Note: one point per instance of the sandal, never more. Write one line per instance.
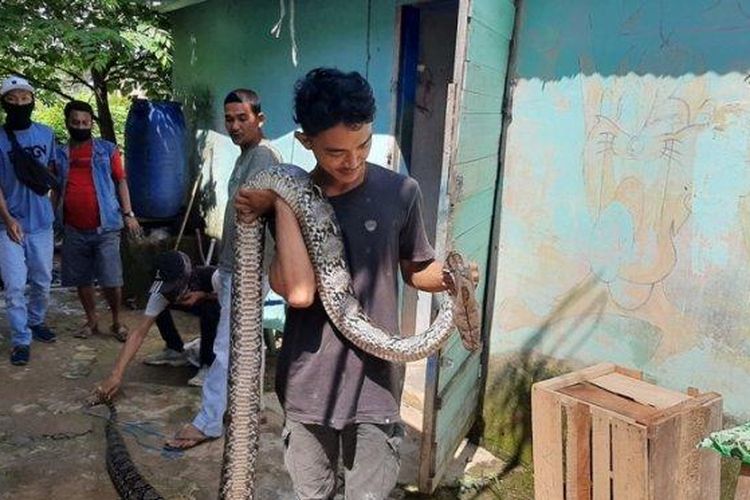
(86, 331)
(120, 332)
(187, 437)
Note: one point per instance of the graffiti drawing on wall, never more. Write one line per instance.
(637, 169)
(638, 174)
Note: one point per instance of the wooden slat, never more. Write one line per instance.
(637, 390)
(629, 461)
(447, 445)
(601, 464)
(625, 407)
(710, 474)
(546, 415)
(475, 240)
(678, 470)
(499, 14)
(664, 460)
(630, 372)
(483, 80)
(687, 405)
(452, 358)
(742, 492)
(478, 136)
(456, 414)
(577, 376)
(475, 176)
(488, 47)
(693, 428)
(482, 103)
(578, 452)
(468, 212)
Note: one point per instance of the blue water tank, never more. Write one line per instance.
(156, 157)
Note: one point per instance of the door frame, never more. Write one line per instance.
(427, 473)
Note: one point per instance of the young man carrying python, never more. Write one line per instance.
(337, 396)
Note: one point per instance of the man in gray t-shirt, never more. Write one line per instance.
(243, 119)
(250, 161)
(338, 400)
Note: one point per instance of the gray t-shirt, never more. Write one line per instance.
(249, 162)
(321, 378)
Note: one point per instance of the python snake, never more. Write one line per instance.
(126, 478)
(322, 237)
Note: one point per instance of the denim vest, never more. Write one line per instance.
(110, 216)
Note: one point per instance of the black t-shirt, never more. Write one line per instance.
(321, 378)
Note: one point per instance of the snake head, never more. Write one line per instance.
(95, 398)
(466, 311)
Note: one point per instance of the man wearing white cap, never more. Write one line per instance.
(27, 152)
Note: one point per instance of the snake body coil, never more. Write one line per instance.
(126, 478)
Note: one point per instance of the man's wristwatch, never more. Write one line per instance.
(129, 214)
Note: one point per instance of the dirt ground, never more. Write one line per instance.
(52, 446)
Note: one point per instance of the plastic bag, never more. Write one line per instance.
(734, 442)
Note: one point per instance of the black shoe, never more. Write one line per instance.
(19, 355)
(42, 334)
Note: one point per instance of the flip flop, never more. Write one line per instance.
(181, 441)
(120, 332)
(86, 331)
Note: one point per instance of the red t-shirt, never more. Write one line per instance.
(80, 208)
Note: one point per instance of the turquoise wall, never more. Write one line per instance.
(225, 44)
(625, 220)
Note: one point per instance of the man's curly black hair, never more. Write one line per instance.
(326, 97)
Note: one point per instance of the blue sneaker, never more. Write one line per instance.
(42, 334)
(19, 355)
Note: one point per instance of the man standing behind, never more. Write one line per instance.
(243, 120)
(26, 216)
(95, 206)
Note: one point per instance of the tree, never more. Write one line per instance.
(100, 45)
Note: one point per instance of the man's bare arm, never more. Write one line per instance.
(291, 274)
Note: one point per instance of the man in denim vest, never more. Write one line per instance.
(95, 206)
(26, 218)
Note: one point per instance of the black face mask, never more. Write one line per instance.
(18, 116)
(79, 134)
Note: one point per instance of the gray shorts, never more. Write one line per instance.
(88, 255)
(369, 454)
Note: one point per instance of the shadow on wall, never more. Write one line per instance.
(199, 115)
(507, 408)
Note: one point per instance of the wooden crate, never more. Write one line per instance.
(603, 433)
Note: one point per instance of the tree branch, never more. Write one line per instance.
(21, 55)
(117, 72)
(74, 76)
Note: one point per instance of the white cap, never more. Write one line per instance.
(15, 83)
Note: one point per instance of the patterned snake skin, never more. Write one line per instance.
(128, 482)
(322, 237)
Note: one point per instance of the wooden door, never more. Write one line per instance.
(469, 183)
